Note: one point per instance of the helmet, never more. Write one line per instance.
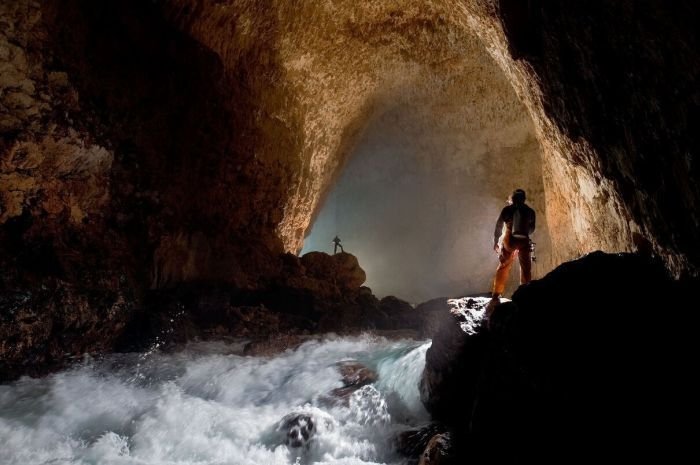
(518, 196)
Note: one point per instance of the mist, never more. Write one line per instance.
(418, 199)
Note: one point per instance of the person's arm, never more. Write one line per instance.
(532, 223)
(499, 229)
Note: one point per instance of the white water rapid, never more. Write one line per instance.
(207, 404)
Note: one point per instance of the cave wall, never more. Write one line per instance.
(235, 100)
(579, 71)
(612, 89)
(128, 148)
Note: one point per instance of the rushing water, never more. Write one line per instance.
(207, 404)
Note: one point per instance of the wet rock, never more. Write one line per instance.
(348, 318)
(57, 323)
(298, 430)
(454, 359)
(208, 311)
(354, 376)
(438, 451)
(413, 442)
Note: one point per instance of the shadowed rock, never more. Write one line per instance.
(412, 443)
(576, 357)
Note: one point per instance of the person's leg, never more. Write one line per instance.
(335, 249)
(505, 257)
(341, 248)
(525, 262)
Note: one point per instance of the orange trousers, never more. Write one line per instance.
(510, 246)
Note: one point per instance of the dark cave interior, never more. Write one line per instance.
(176, 169)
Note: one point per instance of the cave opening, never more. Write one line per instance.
(418, 197)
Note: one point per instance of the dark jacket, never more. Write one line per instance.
(507, 214)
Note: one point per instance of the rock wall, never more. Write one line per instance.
(612, 90)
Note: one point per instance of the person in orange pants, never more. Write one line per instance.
(512, 236)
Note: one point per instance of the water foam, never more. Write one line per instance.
(205, 404)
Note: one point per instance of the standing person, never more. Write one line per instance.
(514, 238)
(336, 241)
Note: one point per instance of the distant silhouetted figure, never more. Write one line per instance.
(519, 221)
(336, 241)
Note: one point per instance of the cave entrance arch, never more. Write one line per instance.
(421, 189)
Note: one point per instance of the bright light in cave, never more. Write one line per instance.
(418, 199)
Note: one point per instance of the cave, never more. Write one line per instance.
(173, 174)
(422, 186)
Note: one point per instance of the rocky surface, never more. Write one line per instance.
(314, 294)
(438, 451)
(354, 376)
(153, 146)
(57, 322)
(54, 323)
(454, 360)
(412, 443)
(567, 366)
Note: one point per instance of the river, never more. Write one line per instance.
(206, 403)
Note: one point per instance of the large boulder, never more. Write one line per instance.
(412, 443)
(591, 360)
(343, 269)
(396, 313)
(354, 375)
(453, 361)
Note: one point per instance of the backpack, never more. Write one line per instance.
(521, 222)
